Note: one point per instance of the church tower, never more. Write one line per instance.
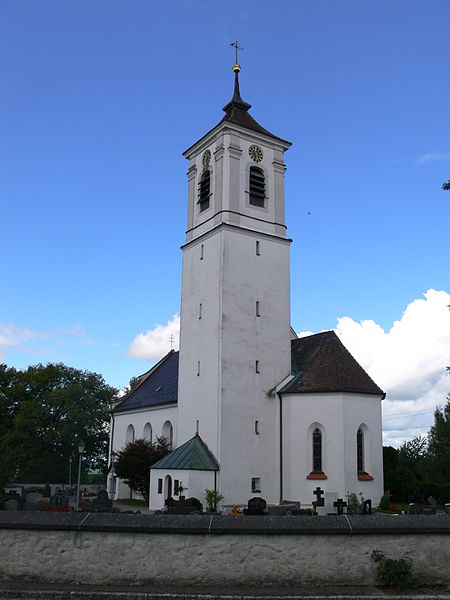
(235, 304)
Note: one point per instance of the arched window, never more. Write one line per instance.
(148, 432)
(167, 432)
(360, 450)
(257, 186)
(204, 191)
(130, 434)
(317, 450)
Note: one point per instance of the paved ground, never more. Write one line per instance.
(26, 591)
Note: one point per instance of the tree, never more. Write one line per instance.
(446, 185)
(45, 411)
(133, 463)
(439, 444)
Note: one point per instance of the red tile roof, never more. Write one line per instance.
(321, 363)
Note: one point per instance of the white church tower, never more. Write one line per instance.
(235, 313)
(248, 408)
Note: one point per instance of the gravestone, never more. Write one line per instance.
(416, 496)
(330, 499)
(447, 508)
(318, 493)
(59, 502)
(102, 503)
(286, 507)
(432, 501)
(256, 506)
(13, 501)
(182, 506)
(366, 507)
(415, 508)
(340, 505)
(32, 497)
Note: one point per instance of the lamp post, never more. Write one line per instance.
(70, 474)
(81, 447)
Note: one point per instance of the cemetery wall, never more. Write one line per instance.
(204, 551)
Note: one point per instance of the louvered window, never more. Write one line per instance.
(203, 191)
(257, 186)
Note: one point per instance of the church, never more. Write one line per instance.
(249, 409)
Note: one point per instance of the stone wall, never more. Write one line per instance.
(113, 549)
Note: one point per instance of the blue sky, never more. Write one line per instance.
(99, 99)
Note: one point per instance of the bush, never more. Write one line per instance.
(385, 503)
(43, 504)
(212, 498)
(195, 503)
(429, 489)
(444, 493)
(393, 572)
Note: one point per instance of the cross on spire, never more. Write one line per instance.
(236, 66)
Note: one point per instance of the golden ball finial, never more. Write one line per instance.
(236, 68)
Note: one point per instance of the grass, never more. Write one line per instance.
(132, 502)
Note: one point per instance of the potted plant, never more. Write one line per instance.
(212, 498)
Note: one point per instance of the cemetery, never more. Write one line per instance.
(329, 542)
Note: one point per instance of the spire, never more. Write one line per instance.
(236, 101)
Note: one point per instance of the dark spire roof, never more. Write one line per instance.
(236, 111)
(236, 101)
(321, 363)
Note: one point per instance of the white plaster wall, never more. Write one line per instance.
(206, 560)
(300, 412)
(156, 416)
(198, 395)
(194, 484)
(228, 396)
(246, 395)
(339, 416)
(364, 410)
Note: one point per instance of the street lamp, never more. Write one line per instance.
(70, 474)
(81, 447)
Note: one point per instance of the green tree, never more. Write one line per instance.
(446, 185)
(132, 464)
(405, 467)
(48, 409)
(439, 444)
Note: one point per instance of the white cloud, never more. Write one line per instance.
(32, 341)
(408, 362)
(155, 343)
(433, 157)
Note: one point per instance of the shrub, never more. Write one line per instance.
(195, 502)
(444, 493)
(393, 572)
(43, 504)
(385, 502)
(429, 489)
(212, 498)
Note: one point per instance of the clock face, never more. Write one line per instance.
(206, 158)
(256, 154)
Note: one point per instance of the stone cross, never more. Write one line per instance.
(340, 504)
(318, 493)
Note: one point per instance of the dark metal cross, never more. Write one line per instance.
(340, 504)
(318, 494)
(172, 341)
(235, 45)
